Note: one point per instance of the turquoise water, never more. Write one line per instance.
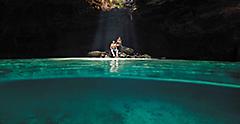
(135, 91)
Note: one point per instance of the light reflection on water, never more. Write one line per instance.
(206, 72)
(114, 66)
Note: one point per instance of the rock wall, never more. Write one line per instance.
(178, 29)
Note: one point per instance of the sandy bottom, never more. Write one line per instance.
(116, 101)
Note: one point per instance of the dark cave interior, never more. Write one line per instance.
(174, 29)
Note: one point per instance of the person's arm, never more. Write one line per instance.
(110, 46)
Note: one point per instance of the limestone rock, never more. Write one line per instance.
(96, 53)
(127, 50)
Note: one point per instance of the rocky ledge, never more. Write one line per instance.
(125, 52)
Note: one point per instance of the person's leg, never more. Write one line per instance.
(112, 52)
(116, 52)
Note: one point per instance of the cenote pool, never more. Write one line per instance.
(118, 91)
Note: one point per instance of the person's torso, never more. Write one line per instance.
(113, 46)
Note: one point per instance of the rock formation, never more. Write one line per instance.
(125, 52)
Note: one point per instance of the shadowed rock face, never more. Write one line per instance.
(179, 29)
(204, 29)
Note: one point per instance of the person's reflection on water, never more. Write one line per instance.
(114, 66)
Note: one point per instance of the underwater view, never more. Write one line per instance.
(118, 91)
(120, 62)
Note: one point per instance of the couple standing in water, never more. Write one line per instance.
(115, 47)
